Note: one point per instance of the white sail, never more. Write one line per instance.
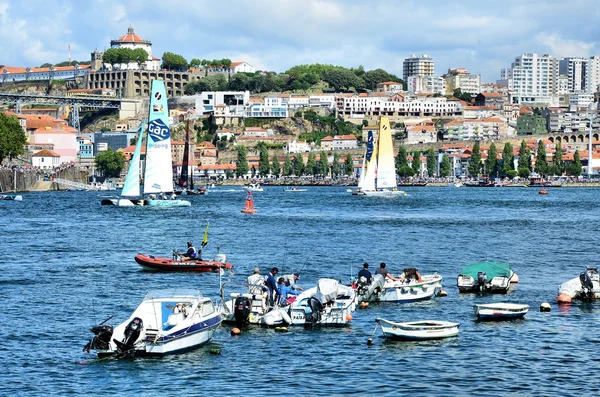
(386, 168)
(158, 176)
(131, 188)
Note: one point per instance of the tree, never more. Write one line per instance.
(336, 167)
(374, 77)
(507, 158)
(323, 164)
(12, 137)
(216, 82)
(557, 160)
(401, 160)
(431, 163)
(416, 163)
(475, 163)
(311, 164)
(298, 165)
(576, 169)
(263, 160)
(239, 82)
(241, 168)
(195, 63)
(524, 157)
(110, 163)
(406, 171)
(288, 168)
(491, 164)
(445, 166)
(172, 61)
(340, 79)
(275, 166)
(541, 163)
(348, 165)
(139, 56)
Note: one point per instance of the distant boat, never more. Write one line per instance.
(249, 207)
(379, 179)
(253, 187)
(294, 189)
(14, 197)
(401, 291)
(500, 311)
(586, 287)
(418, 330)
(486, 276)
(158, 167)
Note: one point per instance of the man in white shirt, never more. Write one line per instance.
(256, 283)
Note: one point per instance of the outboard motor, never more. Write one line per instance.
(131, 335)
(362, 286)
(481, 279)
(241, 310)
(316, 307)
(101, 339)
(587, 287)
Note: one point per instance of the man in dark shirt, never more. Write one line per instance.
(385, 272)
(364, 272)
(271, 283)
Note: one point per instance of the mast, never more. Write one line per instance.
(184, 177)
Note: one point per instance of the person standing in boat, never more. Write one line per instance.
(271, 283)
(385, 273)
(284, 291)
(364, 272)
(256, 283)
(191, 252)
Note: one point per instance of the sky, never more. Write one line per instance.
(482, 36)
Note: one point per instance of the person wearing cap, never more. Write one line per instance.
(364, 272)
(256, 283)
(385, 273)
(191, 252)
(271, 283)
(290, 281)
(284, 291)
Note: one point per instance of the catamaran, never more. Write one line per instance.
(158, 167)
(379, 176)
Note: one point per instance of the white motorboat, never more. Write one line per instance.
(586, 287)
(244, 309)
(486, 276)
(500, 311)
(328, 304)
(166, 322)
(295, 189)
(15, 197)
(253, 187)
(402, 291)
(418, 330)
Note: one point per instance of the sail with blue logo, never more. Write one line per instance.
(158, 176)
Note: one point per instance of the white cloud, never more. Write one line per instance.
(565, 48)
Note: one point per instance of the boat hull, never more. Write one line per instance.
(378, 193)
(13, 197)
(398, 292)
(167, 203)
(418, 330)
(500, 311)
(574, 290)
(335, 313)
(150, 262)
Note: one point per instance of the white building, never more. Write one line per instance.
(359, 106)
(321, 101)
(339, 142)
(270, 107)
(14, 74)
(299, 146)
(460, 78)
(133, 41)
(390, 86)
(418, 66)
(235, 102)
(575, 70)
(45, 158)
(529, 79)
(426, 85)
(593, 74)
(295, 101)
(256, 132)
(581, 99)
(242, 67)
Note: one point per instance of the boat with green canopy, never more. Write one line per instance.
(486, 276)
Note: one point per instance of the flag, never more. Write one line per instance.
(205, 238)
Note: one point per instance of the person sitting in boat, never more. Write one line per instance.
(385, 272)
(256, 283)
(180, 308)
(410, 274)
(173, 196)
(191, 252)
(290, 281)
(364, 272)
(284, 291)
(271, 283)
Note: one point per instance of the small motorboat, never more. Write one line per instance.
(177, 263)
(404, 291)
(14, 197)
(329, 304)
(486, 276)
(500, 311)
(166, 322)
(418, 330)
(248, 308)
(586, 287)
(253, 187)
(295, 189)
(543, 191)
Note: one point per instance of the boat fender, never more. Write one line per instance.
(235, 332)
(286, 318)
(442, 292)
(348, 317)
(281, 329)
(545, 307)
(563, 298)
(363, 305)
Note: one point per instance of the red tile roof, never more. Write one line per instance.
(46, 153)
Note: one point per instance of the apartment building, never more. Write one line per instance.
(491, 128)
(529, 79)
(418, 66)
(576, 71)
(397, 106)
(460, 78)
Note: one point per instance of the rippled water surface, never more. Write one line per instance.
(67, 263)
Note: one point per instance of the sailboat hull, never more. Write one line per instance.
(168, 203)
(380, 193)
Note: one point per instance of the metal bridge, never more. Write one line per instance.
(76, 103)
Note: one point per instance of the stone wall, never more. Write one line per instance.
(23, 180)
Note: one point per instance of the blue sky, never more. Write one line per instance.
(482, 36)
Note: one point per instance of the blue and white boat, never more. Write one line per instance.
(166, 322)
(157, 190)
(500, 311)
(400, 291)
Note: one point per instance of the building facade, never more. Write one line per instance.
(418, 66)
(460, 78)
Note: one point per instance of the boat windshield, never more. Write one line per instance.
(173, 293)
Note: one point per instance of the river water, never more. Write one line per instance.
(67, 263)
